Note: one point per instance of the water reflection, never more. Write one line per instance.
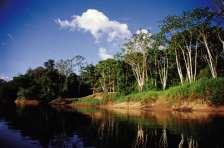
(89, 127)
(163, 129)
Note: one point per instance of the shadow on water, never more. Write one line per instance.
(89, 127)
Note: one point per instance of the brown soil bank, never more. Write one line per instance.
(165, 106)
(205, 94)
(159, 105)
(27, 102)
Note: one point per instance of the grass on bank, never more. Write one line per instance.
(208, 89)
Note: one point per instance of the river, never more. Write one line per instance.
(90, 127)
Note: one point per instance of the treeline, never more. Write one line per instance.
(188, 47)
(44, 83)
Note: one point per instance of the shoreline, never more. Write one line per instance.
(158, 106)
(27, 102)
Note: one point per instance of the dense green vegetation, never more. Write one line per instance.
(210, 90)
(184, 60)
(45, 84)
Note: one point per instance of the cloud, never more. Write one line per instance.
(103, 54)
(5, 78)
(98, 24)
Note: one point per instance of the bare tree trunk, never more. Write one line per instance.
(103, 83)
(163, 139)
(140, 74)
(179, 69)
(181, 144)
(195, 61)
(222, 41)
(163, 71)
(187, 53)
(209, 58)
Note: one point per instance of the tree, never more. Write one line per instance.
(125, 78)
(2, 82)
(50, 64)
(79, 62)
(8, 92)
(90, 75)
(136, 55)
(68, 66)
(161, 56)
(71, 86)
(108, 74)
(185, 41)
(65, 67)
(191, 34)
(43, 83)
(51, 82)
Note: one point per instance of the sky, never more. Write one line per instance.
(33, 31)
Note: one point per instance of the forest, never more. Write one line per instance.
(185, 57)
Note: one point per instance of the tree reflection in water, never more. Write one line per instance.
(141, 138)
(155, 130)
(163, 139)
(87, 127)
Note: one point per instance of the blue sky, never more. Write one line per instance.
(33, 31)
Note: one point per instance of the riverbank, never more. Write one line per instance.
(27, 102)
(158, 105)
(185, 106)
(202, 95)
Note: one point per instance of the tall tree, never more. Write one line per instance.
(50, 64)
(108, 72)
(69, 66)
(78, 62)
(91, 76)
(184, 40)
(65, 67)
(161, 56)
(136, 55)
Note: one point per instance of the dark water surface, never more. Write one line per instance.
(87, 127)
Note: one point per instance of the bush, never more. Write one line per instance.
(28, 93)
(204, 88)
(149, 85)
(89, 101)
(204, 73)
(210, 89)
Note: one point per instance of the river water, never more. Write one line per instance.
(90, 127)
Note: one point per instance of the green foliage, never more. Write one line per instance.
(215, 90)
(43, 84)
(29, 93)
(145, 96)
(8, 92)
(135, 53)
(90, 76)
(150, 85)
(125, 79)
(89, 101)
(208, 89)
(143, 65)
(205, 88)
(108, 74)
(204, 73)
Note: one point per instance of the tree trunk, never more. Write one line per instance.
(210, 60)
(179, 69)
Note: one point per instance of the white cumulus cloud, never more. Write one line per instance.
(103, 54)
(98, 24)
